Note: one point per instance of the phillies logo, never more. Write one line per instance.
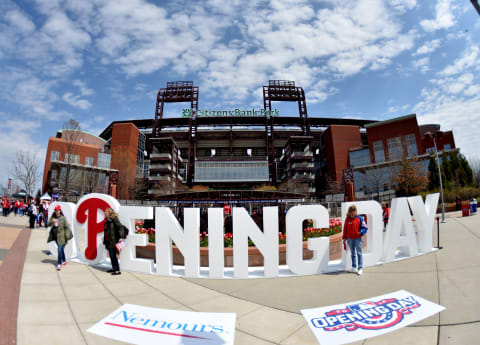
(88, 212)
(368, 315)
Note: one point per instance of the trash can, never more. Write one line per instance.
(473, 206)
(466, 209)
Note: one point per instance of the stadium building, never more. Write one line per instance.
(216, 156)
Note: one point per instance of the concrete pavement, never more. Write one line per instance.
(56, 307)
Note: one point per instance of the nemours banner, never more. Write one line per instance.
(141, 325)
(403, 237)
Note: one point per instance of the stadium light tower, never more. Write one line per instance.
(476, 5)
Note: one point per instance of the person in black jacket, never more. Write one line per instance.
(112, 234)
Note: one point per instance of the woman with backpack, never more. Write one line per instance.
(353, 236)
(60, 233)
(113, 233)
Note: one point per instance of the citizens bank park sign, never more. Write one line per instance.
(402, 238)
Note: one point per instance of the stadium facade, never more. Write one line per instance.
(233, 156)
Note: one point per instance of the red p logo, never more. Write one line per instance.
(88, 209)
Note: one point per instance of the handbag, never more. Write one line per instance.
(120, 245)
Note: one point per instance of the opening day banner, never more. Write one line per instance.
(354, 321)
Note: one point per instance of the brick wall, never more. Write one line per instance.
(124, 147)
(338, 140)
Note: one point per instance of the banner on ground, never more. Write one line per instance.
(147, 326)
(354, 321)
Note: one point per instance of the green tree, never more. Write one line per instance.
(434, 179)
(456, 171)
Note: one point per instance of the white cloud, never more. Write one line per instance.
(403, 5)
(20, 21)
(472, 90)
(444, 18)
(84, 90)
(457, 115)
(35, 96)
(76, 101)
(453, 100)
(467, 60)
(17, 135)
(428, 47)
(423, 64)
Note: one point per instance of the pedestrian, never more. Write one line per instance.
(5, 206)
(45, 212)
(353, 237)
(17, 206)
(32, 213)
(60, 233)
(113, 233)
(386, 215)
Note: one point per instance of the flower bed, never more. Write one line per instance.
(335, 227)
(255, 258)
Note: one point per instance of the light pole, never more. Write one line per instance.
(476, 5)
(440, 176)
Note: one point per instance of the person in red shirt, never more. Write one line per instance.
(227, 210)
(386, 215)
(16, 206)
(353, 237)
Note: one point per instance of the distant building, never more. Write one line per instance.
(89, 161)
(374, 164)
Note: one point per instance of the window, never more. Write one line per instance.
(54, 156)
(378, 151)
(89, 161)
(72, 159)
(430, 150)
(447, 147)
(411, 143)
(360, 157)
(104, 160)
(146, 166)
(231, 171)
(394, 148)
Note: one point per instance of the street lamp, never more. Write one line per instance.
(439, 173)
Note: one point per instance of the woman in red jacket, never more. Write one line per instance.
(351, 234)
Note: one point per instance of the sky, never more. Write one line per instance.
(99, 61)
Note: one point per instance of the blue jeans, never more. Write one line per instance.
(112, 252)
(355, 245)
(61, 254)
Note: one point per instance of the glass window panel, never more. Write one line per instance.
(104, 160)
(54, 156)
(231, 171)
(378, 151)
(360, 157)
(411, 143)
(394, 148)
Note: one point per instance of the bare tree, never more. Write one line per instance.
(26, 168)
(71, 136)
(410, 179)
(90, 181)
(139, 191)
(378, 177)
